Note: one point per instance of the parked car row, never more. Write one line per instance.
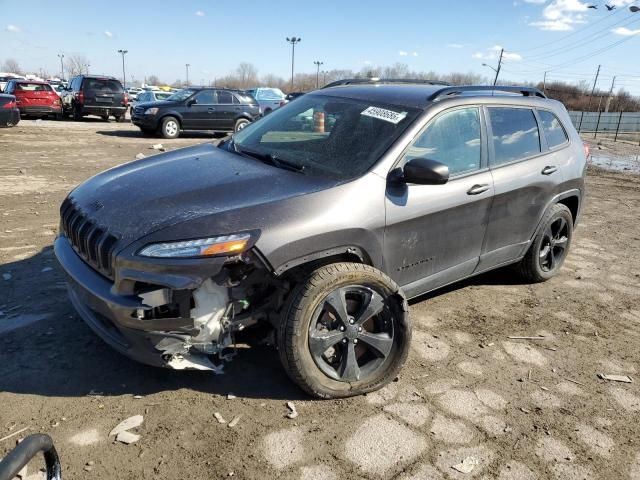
(166, 112)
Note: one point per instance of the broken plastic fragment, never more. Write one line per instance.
(193, 362)
(128, 424)
(467, 465)
(127, 437)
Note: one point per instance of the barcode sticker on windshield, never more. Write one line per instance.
(384, 114)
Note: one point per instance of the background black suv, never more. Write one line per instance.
(217, 109)
(95, 95)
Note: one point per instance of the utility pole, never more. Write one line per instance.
(324, 77)
(61, 56)
(293, 41)
(595, 83)
(317, 63)
(495, 80)
(187, 65)
(124, 76)
(544, 83)
(609, 97)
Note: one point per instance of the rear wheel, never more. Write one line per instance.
(241, 123)
(170, 128)
(105, 117)
(119, 118)
(77, 114)
(345, 331)
(550, 245)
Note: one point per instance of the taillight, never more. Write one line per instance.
(126, 99)
(587, 151)
(80, 96)
(11, 104)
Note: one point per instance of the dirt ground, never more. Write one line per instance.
(523, 409)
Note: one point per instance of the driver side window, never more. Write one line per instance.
(453, 139)
(205, 97)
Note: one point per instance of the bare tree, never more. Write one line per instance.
(11, 66)
(153, 80)
(247, 74)
(76, 64)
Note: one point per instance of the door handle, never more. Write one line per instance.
(211, 110)
(478, 189)
(548, 170)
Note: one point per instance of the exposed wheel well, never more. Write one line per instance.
(572, 203)
(305, 268)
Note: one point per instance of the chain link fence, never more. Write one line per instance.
(616, 126)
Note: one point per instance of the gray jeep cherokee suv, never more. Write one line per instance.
(314, 226)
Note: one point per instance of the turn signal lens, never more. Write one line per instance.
(203, 247)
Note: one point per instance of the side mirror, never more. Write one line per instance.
(423, 171)
(193, 101)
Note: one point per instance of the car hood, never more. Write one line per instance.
(142, 197)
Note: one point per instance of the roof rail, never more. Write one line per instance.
(452, 91)
(375, 80)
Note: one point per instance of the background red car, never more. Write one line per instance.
(35, 98)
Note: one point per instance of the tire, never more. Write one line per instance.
(325, 372)
(240, 124)
(105, 117)
(170, 127)
(119, 118)
(267, 112)
(549, 247)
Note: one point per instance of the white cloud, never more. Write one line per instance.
(493, 53)
(108, 34)
(625, 31)
(455, 45)
(562, 15)
(368, 62)
(13, 29)
(402, 53)
(200, 13)
(414, 54)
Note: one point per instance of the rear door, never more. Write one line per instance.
(434, 233)
(227, 111)
(526, 177)
(103, 92)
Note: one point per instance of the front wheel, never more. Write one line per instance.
(550, 245)
(170, 127)
(345, 331)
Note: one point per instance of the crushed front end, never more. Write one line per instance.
(180, 313)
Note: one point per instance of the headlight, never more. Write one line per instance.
(202, 247)
(151, 111)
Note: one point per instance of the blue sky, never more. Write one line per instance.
(562, 36)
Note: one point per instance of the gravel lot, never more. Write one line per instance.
(513, 409)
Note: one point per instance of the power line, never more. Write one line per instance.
(580, 30)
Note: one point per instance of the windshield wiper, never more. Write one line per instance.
(270, 159)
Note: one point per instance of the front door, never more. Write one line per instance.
(434, 233)
(198, 115)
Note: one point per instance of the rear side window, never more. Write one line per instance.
(553, 130)
(103, 85)
(224, 97)
(515, 134)
(453, 138)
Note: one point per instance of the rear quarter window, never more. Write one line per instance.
(515, 134)
(553, 129)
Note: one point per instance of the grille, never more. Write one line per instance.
(94, 244)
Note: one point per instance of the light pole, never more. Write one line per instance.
(61, 56)
(86, 66)
(317, 63)
(187, 65)
(293, 41)
(497, 70)
(124, 76)
(324, 77)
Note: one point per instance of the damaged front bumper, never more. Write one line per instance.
(163, 325)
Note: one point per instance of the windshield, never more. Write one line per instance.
(270, 94)
(336, 137)
(181, 95)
